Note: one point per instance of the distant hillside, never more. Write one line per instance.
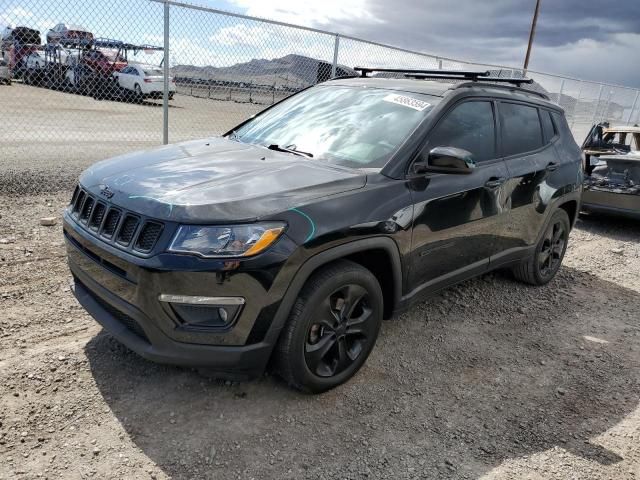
(290, 71)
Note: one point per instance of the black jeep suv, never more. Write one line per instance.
(289, 239)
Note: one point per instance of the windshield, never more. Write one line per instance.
(349, 126)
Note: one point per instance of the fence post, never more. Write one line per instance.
(560, 92)
(605, 114)
(595, 111)
(334, 65)
(165, 90)
(633, 107)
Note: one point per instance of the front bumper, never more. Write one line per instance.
(125, 322)
(121, 292)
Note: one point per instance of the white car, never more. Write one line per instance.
(5, 73)
(144, 81)
(35, 67)
(35, 60)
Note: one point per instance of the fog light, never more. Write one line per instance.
(196, 312)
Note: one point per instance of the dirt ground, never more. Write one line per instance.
(489, 379)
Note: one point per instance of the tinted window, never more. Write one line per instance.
(469, 126)
(559, 122)
(520, 127)
(547, 125)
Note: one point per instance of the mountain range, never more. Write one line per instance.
(291, 70)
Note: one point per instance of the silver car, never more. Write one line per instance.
(64, 32)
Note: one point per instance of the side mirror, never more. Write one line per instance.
(447, 160)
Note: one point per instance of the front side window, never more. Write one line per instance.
(520, 127)
(349, 126)
(469, 126)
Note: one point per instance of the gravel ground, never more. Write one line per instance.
(489, 379)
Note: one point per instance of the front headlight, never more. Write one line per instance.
(229, 241)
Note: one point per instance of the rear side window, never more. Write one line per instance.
(520, 127)
(469, 126)
(547, 125)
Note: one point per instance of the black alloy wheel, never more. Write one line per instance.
(552, 250)
(544, 263)
(332, 328)
(341, 328)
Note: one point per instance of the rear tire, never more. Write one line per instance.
(542, 266)
(331, 329)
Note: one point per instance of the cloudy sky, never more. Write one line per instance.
(596, 40)
(589, 39)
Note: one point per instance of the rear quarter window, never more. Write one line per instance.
(547, 125)
(520, 128)
(560, 122)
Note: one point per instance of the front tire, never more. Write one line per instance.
(138, 93)
(331, 329)
(542, 266)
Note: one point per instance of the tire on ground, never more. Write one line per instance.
(289, 357)
(529, 270)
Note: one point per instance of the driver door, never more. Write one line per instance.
(457, 216)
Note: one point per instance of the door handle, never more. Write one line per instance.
(494, 182)
(552, 166)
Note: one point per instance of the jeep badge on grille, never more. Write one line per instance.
(106, 191)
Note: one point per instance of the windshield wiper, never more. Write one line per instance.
(289, 149)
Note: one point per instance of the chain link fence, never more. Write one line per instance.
(91, 80)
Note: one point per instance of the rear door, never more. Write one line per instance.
(527, 137)
(456, 214)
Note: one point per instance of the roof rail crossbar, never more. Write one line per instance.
(364, 71)
(513, 81)
(445, 74)
(505, 87)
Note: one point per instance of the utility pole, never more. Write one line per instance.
(532, 34)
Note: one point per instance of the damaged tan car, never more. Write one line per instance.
(612, 170)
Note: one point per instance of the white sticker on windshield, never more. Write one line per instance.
(406, 101)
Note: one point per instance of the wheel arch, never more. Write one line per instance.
(359, 251)
(571, 207)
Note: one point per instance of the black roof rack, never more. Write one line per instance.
(445, 74)
(505, 87)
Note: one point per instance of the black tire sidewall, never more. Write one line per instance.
(558, 215)
(298, 365)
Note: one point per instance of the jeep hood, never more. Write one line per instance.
(215, 180)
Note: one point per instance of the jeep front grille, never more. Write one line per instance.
(87, 208)
(110, 224)
(127, 230)
(98, 215)
(148, 235)
(113, 225)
